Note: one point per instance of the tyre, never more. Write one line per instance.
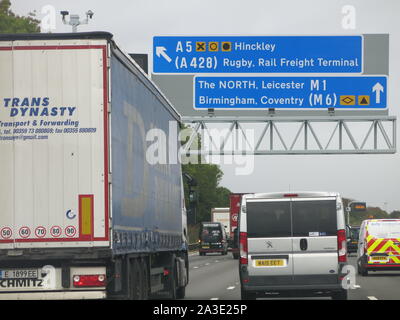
(171, 286)
(136, 281)
(181, 292)
(362, 271)
(202, 254)
(246, 295)
(145, 280)
(235, 256)
(340, 295)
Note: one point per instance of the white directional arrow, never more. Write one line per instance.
(160, 51)
(377, 88)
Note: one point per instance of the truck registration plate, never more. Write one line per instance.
(19, 274)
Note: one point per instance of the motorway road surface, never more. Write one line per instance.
(216, 277)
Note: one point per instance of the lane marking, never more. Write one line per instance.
(207, 264)
(372, 298)
(214, 299)
(356, 286)
(195, 267)
(231, 288)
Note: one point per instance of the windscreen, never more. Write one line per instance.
(314, 218)
(384, 229)
(268, 219)
(211, 233)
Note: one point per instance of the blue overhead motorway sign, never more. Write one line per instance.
(356, 93)
(258, 54)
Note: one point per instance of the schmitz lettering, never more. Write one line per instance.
(21, 283)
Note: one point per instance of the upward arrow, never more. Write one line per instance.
(160, 51)
(377, 88)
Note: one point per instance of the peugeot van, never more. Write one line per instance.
(292, 244)
(379, 246)
(212, 238)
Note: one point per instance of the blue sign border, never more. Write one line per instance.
(293, 49)
(253, 88)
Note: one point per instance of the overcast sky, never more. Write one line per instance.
(371, 178)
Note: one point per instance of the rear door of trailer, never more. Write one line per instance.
(54, 155)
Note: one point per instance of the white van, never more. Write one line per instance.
(293, 244)
(379, 246)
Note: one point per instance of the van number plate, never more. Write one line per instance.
(379, 258)
(270, 263)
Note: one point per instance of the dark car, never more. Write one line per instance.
(352, 238)
(212, 238)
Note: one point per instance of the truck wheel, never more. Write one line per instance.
(341, 295)
(181, 292)
(145, 280)
(136, 283)
(235, 256)
(171, 280)
(246, 295)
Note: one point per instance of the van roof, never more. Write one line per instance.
(379, 220)
(301, 194)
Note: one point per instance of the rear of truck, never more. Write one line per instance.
(234, 209)
(54, 167)
(87, 209)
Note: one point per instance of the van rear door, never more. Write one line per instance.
(315, 256)
(269, 240)
(383, 242)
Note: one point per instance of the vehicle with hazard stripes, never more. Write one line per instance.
(379, 246)
(85, 210)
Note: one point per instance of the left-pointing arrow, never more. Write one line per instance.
(160, 51)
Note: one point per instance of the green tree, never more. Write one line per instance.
(395, 214)
(12, 23)
(210, 194)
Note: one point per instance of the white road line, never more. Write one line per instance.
(214, 299)
(357, 286)
(207, 264)
(231, 288)
(372, 298)
(195, 267)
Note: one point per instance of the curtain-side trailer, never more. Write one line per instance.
(85, 210)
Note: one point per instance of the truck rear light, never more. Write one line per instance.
(90, 280)
(243, 248)
(342, 246)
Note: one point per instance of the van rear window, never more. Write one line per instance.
(268, 219)
(384, 229)
(314, 218)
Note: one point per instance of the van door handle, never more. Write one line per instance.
(303, 244)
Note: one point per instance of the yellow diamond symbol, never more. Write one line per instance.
(347, 100)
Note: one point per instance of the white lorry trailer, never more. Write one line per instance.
(83, 212)
(222, 215)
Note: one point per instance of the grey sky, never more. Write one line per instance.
(373, 178)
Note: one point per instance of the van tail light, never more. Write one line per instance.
(96, 280)
(243, 248)
(342, 246)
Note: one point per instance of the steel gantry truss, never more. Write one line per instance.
(300, 135)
